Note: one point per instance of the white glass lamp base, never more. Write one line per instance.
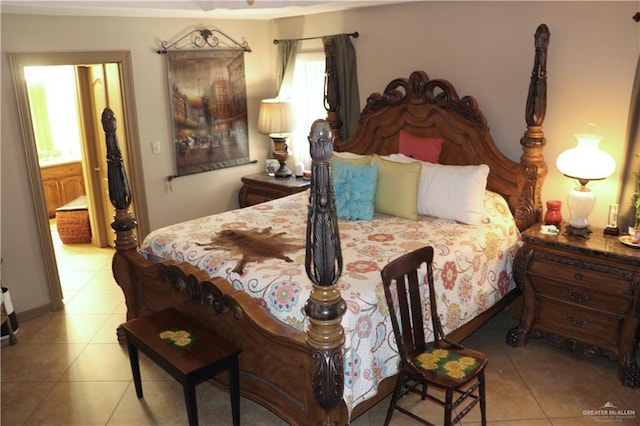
(581, 201)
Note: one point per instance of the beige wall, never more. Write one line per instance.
(486, 50)
(190, 196)
(483, 48)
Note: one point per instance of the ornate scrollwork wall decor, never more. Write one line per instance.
(204, 38)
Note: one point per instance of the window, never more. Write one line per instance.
(307, 98)
(52, 96)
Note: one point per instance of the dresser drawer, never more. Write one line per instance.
(260, 187)
(257, 196)
(564, 270)
(587, 296)
(583, 324)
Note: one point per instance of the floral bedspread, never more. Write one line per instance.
(472, 271)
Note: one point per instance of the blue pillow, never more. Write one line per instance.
(355, 189)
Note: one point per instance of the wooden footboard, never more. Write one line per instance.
(299, 376)
(276, 364)
(275, 361)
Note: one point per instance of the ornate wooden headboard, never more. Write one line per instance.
(432, 108)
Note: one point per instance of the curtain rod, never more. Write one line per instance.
(353, 34)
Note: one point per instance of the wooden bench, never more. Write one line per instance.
(187, 351)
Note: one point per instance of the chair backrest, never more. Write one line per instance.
(403, 271)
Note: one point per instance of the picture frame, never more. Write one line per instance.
(271, 165)
(208, 103)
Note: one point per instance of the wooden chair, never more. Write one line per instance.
(441, 363)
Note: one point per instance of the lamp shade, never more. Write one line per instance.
(586, 161)
(275, 117)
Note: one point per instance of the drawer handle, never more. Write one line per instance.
(578, 323)
(577, 276)
(578, 298)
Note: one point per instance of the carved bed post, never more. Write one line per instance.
(323, 263)
(124, 223)
(533, 141)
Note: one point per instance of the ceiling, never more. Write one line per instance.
(232, 9)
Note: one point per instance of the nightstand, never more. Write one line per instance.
(581, 293)
(261, 187)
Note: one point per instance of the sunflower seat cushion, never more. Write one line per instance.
(448, 363)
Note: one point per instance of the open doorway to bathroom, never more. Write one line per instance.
(66, 102)
(60, 101)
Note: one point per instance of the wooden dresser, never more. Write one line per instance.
(581, 293)
(62, 183)
(261, 187)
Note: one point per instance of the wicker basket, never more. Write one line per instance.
(72, 221)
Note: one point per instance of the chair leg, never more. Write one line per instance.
(483, 399)
(448, 406)
(394, 399)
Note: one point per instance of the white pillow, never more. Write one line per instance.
(450, 192)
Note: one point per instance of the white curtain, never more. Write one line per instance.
(307, 97)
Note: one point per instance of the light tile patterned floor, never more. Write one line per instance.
(68, 369)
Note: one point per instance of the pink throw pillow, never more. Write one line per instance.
(423, 149)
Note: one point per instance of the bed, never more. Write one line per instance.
(311, 318)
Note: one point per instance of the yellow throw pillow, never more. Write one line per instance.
(397, 191)
(353, 158)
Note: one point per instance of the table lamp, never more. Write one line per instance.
(585, 162)
(275, 120)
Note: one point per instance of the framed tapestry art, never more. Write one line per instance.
(208, 103)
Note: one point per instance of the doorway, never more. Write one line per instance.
(102, 79)
(65, 103)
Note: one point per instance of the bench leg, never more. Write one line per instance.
(190, 399)
(135, 367)
(234, 390)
